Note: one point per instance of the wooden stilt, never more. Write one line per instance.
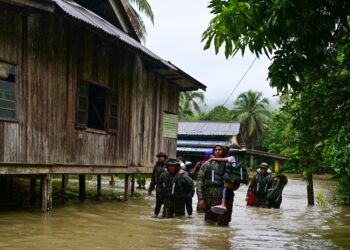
(112, 181)
(49, 191)
(10, 187)
(82, 187)
(132, 184)
(64, 183)
(127, 187)
(32, 186)
(98, 185)
(32, 189)
(310, 189)
(46, 193)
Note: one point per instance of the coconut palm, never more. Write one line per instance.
(251, 110)
(135, 17)
(190, 102)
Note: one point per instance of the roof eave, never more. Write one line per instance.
(41, 5)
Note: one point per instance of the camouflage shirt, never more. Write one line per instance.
(158, 169)
(166, 180)
(201, 178)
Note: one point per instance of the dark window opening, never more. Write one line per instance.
(97, 107)
(7, 91)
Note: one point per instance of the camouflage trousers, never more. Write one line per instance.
(174, 208)
(212, 197)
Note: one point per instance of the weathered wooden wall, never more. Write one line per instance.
(54, 53)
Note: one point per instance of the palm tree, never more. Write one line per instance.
(135, 17)
(190, 102)
(251, 110)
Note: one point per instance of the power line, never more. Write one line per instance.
(251, 65)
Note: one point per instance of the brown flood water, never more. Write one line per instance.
(128, 225)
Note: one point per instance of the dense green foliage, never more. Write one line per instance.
(251, 110)
(218, 113)
(190, 103)
(309, 42)
(282, 138)
(303, 35)
(336, 155)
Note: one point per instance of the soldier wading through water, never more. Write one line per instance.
(158, 169)
(259, 186)
(210, 183)
(176, 185)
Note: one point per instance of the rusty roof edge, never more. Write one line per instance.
(41, 5)
(78, 12)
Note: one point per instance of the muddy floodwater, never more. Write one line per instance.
(129, 225)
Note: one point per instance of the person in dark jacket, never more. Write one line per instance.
(184, 166)
(176, 186)
(259, 186)
(158, 169)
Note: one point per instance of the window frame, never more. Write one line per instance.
(16, 65)
(108, 103)
(109, 116)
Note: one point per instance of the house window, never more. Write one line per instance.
(7, 91)
(96, 107)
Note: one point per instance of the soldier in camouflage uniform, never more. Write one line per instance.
(176, 186)
(158, 169)
(259, 186)
(210, 183)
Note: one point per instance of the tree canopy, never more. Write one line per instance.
(302, 35)
(218, 113)
(309, 43)
(190, 103)
(251, 110)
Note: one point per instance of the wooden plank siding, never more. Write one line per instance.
(53, 53)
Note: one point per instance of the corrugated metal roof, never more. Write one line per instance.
(197, 143)
(77, 11)
(209, 128)
(199, 150)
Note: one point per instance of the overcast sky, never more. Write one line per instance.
(176, 37)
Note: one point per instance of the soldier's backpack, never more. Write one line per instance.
(237, 172)
(274, 194)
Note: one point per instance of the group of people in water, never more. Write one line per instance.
(217, 178)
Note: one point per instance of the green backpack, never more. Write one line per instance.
(237, 173)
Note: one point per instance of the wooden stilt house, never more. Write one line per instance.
(79, 93)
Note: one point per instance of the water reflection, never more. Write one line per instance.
(119, 225)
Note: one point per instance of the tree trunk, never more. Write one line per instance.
(251, 165)
(310, 189)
